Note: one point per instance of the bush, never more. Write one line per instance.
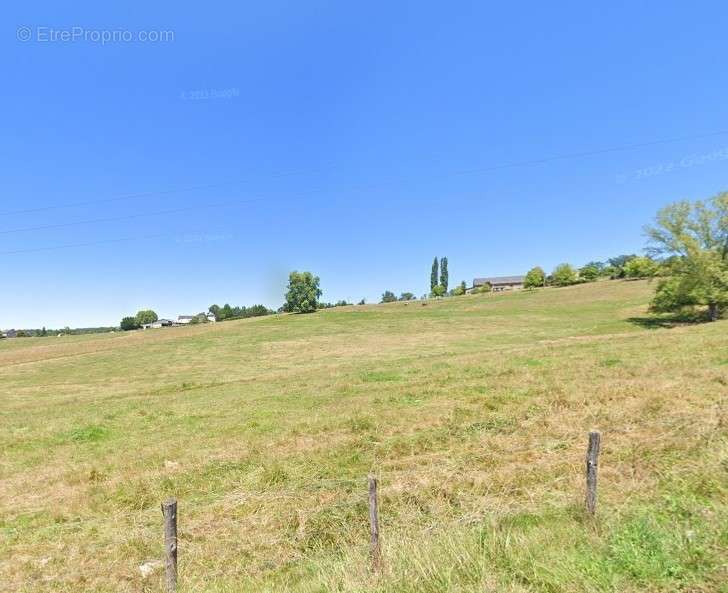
(563, 275)
(589, 273)
(460, 289)
(438, 291)
(535, 278)
(641, 267)
(388, 297)
(129, 323)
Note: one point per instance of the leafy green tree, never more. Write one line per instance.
(483, 288)
(438, 291)
(617, 264)
(694, 238)
(388, 297)
(129, 323)
(444, 275)
(641, 267)
(535, 278)
(563, 275)
(214, 310)
(303, 292)
(146, 316)
(362, 302)
(589, 273)
(434, 275)
(43, 332)
(460, 289)
(599, 265)
(407, 296)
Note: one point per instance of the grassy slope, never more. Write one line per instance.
(473, 411)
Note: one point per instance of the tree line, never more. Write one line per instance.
(227, 312)
(687, 252)
(623, 266)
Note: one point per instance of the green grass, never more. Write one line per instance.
(473, 412)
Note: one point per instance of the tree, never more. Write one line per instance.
(444, 276)
(388, 297)
(589, 273)
(407, 296)
(438, 291)
(617, 264)
(535, 278)
(460, 289)
(129, 323)
(563, 275)
(214, 310)
(362, 302)
(44, 332)
(694, 238)
(146, 316)
(599, 265)
(640, 267)
(433, 275)
(484, 288)
(303, 292)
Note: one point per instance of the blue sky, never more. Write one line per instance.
(357, 141)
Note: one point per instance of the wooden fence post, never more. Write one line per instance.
(374, 525)
(592, 466)
(169, 511)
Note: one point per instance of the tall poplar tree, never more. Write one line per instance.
(433, 275)
(444, 276)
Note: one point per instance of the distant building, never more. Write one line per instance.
(500, 283)
(187, 319)
(11, 333)
(157, 324)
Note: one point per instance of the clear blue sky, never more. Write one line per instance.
(370, 135)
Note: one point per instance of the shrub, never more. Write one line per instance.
(535, 278)
(129, 323)
(563, 275)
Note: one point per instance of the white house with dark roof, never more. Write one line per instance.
(500, 283)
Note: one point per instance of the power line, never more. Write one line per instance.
(87, 243)
(149, 194)
(305, 171)
(58, 225)
(593, 152)
(258, 199)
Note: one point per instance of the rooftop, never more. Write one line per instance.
(495, 280)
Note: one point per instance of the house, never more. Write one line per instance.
(11, 333)
(157, 324)
(500, 283)
(187, 319)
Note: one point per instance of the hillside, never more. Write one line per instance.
(473, 411)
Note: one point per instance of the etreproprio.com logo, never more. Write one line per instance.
(42, 34)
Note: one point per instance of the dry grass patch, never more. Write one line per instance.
(473, 411)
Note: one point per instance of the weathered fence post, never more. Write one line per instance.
(374, 525)
(169, 510)
(592, 466)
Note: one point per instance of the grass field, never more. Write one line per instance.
(473, 411)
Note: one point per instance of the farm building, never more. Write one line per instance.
(157, 324)
(500, 283)
(187, 319)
